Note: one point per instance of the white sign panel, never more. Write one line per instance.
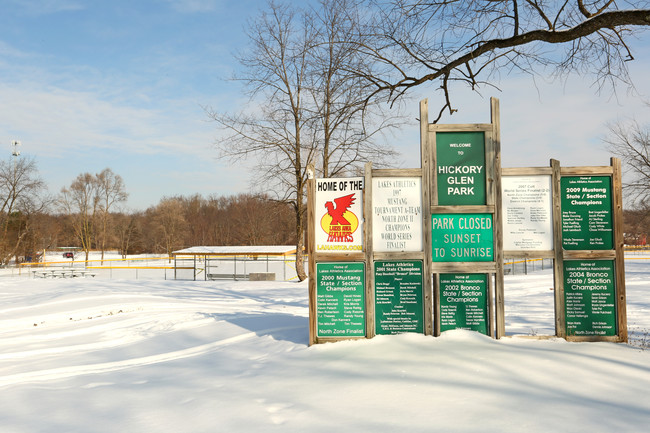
(527, 213)
(397, 214)
(339, 215)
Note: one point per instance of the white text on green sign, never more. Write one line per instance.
(462, 237)
(460, 168)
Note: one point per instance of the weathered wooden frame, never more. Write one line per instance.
(559, 254)
(494, 269)
(493, 206)
(320, 257)
(372, 256)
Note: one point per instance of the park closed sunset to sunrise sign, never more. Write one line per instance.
(462, 237)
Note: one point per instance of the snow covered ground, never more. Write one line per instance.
(96, 355)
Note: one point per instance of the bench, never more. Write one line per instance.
(63, 273)
(84, 274)
(51, 273)
(226, 276)
(262, 276)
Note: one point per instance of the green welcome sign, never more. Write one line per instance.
(467, 237)
(460, 168)
(340, 299)
(398, 297)
(463, 302)
(586, 213)
(590, 298)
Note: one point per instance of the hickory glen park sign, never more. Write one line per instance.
(422, 250)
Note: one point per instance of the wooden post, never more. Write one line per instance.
(491, 294)
(499, 293)
(439, 203)
(558, 256)
(614, 254)
(368, 249)
(311, 251)
(431, 302)
(619, 266)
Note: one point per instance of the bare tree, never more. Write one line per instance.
(194, 208)
(22, 195)
(81, 202)
(474, 41)
(636, 225)
(630, 141)
(310, 106)
(280, 132)
(349, 125)
(170, 224)
(126, 228)
(111, 191)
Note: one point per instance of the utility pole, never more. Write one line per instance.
(15, 152)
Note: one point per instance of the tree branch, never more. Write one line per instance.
(606, 20)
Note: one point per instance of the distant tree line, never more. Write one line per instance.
(87, 215)
(636, 226)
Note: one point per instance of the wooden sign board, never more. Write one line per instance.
(399, 303)
(587, 213)
(339, 215)
(590, 298)
(460, 169)
(462, 237)
(464, 302)
(376, 243)
(585, 208)
(527, 203)
(340, 299)
(397, 214)
(591, 293)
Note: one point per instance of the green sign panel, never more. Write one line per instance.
(590, 298)
(464, 302)
(587, 213)
(340, 299)
(462, 237)
(398, 297)
(460, 168)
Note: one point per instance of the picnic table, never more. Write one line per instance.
(62, 273)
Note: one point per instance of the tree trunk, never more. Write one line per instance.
(300, 243)
(300, 260)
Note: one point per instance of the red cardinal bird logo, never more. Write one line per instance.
(341, 222)
(342, 205)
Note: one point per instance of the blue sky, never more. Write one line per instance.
(86, 85)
